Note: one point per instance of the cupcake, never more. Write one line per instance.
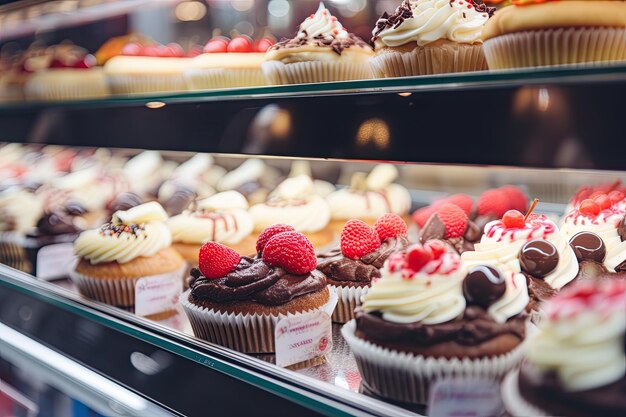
(295, 203)
(576, 365)
(228, 63)
(369, 197)
(532, 246)
(236, 301)
(222, 218)
(351, 268)
(597, 231)
(430, 37)
(321, 51)
(71, 75)
(147, 69)
(533, 33)
(126, 257)
(429, 318)
(451, 225)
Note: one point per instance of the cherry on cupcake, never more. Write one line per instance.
(263, 44)
(216, 260)
(132, 49)
(241, 43)
(513, 219)
(417, 256)
(616, 196)
(589, 207)
(291, 251)
(269, 233)
(603, 201)
(218, 44)
(358, 239)
(390, 225)
(483, 285)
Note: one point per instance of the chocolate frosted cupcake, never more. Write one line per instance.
(351, 268)
(129, 263)
(321, 51)
(576, 365)
(236, 301)
(451, 225)
(429, 318)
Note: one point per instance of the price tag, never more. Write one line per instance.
(303, 337)
(55, 261)
(465, 397)
(157, 293)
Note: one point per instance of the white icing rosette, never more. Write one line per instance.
(248, 333)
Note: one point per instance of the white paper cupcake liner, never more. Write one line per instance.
(119, 292)
(12, 252)
(426, 60)
(348, 299)
(406, 377)
(73, 85)
(147, 83)
(277, 73)
(513, 401)
(556, 47)
(248, 333)
(213, 78)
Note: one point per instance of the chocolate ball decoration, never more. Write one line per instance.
(483, 285)
(538, 258)
(588, 247)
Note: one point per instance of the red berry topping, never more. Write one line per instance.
(291, 251)
(358, 239)
(493, 202)
(616, 196)
(263, 44)
(603, 201)
(421, 216)
(589, 207)
(269, 233)
(417, 256)
(436, 248)
(132, 49)
(174, 50)
(464, 201)
(216, 260)
(454, 218)
(390, 225)
(216, 45)
(513, 219)
(241, 44)
(517, 199)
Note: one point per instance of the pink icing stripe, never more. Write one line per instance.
(603, 217)
(535, 224)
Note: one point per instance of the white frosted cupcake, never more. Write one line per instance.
(294, 202)
(221, 218)
(121, 260)
(369, 197)
(321, 51)
(430, 37)
(430, 318)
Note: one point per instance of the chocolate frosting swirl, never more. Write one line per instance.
(60, 220)
(475, 327)
(253, 279)
(359, 271)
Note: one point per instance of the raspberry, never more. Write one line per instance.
(436, 248)
(358, 239)
(417, 256)
(291, 251)
(270, 232)
(390, 225)
(513, 219)
(616, 196)
(464, 201)
(516, 197)
(603, 201)
(492, 202)
(421, 216)
(216, 260)
(589, 207)
(454, 218)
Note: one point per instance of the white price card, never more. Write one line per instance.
(55, 261)
(303, 337)
(465, 397)
(157, 293)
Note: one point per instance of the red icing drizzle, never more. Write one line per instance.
(598, 296)
(576, 217)
(534, 224)
(228, 219)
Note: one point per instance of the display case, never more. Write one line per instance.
(547, 130)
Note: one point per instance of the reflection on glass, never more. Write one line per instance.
(375, 131)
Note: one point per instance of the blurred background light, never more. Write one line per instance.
(190, 11)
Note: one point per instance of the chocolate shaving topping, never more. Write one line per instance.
(482, 7)
(393, 20)
(336, 44)
(110, 229)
